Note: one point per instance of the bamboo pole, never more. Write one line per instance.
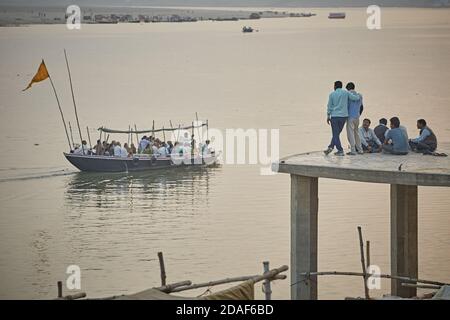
(170, 287)
(363, 264)
(89, 137)
(198, 129)
(359, 274)
(137, 136)
(153, 129)
(162, 268)
(100, 138)
(272, 274)
(192, 144)
(71, 135)
(207, 129)
(60, 290)
(421, 286)
(75, 296)
(129, 134)
(267, 288)
(368, 253)
(61, 112)
(73, 98)
(164, 134)
(178, 133)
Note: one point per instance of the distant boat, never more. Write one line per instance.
(247, 29)
(336, 15)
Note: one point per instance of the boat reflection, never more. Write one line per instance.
(151, 189)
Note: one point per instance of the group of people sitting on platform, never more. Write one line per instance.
(345, 108)
(394, 139)
(148, 145)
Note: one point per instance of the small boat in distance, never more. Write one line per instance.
(247, 29)
(336, 15)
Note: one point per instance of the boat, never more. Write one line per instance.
(139, 162)
(336, 15)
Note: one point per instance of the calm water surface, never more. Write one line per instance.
(217, 222)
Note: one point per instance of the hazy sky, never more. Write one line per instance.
(255, 3)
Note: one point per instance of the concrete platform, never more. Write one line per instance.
(412, 169)
(403, 173)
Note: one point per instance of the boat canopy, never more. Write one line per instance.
(103, 129)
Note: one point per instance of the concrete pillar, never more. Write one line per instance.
(404, 248)
(304, 208)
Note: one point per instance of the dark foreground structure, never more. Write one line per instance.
(403, 173)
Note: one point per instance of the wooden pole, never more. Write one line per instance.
(73, 98)
(153, 129)
(164, 134)
(207, 128)
(107, 138)
(60, 290)
(162, 268)
(71, 135)
(100, 138)
(368, 253)
(198, 129)
(129, 134)
(267, 288)
(170, 287)
(272, 274)
(137, 136)
(363, 264)
(89, 137)
(359, 274)
(60, 111)
(178, 133)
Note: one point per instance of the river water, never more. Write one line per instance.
(218, 222)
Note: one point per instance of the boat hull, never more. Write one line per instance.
(92, 163)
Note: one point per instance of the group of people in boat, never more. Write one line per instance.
(345, 108)
(148, 145)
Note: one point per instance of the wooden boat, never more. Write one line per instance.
(94, 163)
(140, 162)
(336, 15)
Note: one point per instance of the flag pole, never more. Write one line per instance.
(60, 111)
(73, 98)
(71, 135)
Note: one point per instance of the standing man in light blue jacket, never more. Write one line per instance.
(337, 114)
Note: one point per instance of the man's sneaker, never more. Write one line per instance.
(351, 153)
(328, 151)
(339, 153)
(360, 152)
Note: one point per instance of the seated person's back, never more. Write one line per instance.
(399, 140)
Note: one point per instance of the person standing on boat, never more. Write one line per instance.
(117, 150)
(132, 148)
(124, 151)
(354, 111)
(99, 148)
(337, 114)
(143, 144)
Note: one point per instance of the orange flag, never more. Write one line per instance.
(41, 75)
